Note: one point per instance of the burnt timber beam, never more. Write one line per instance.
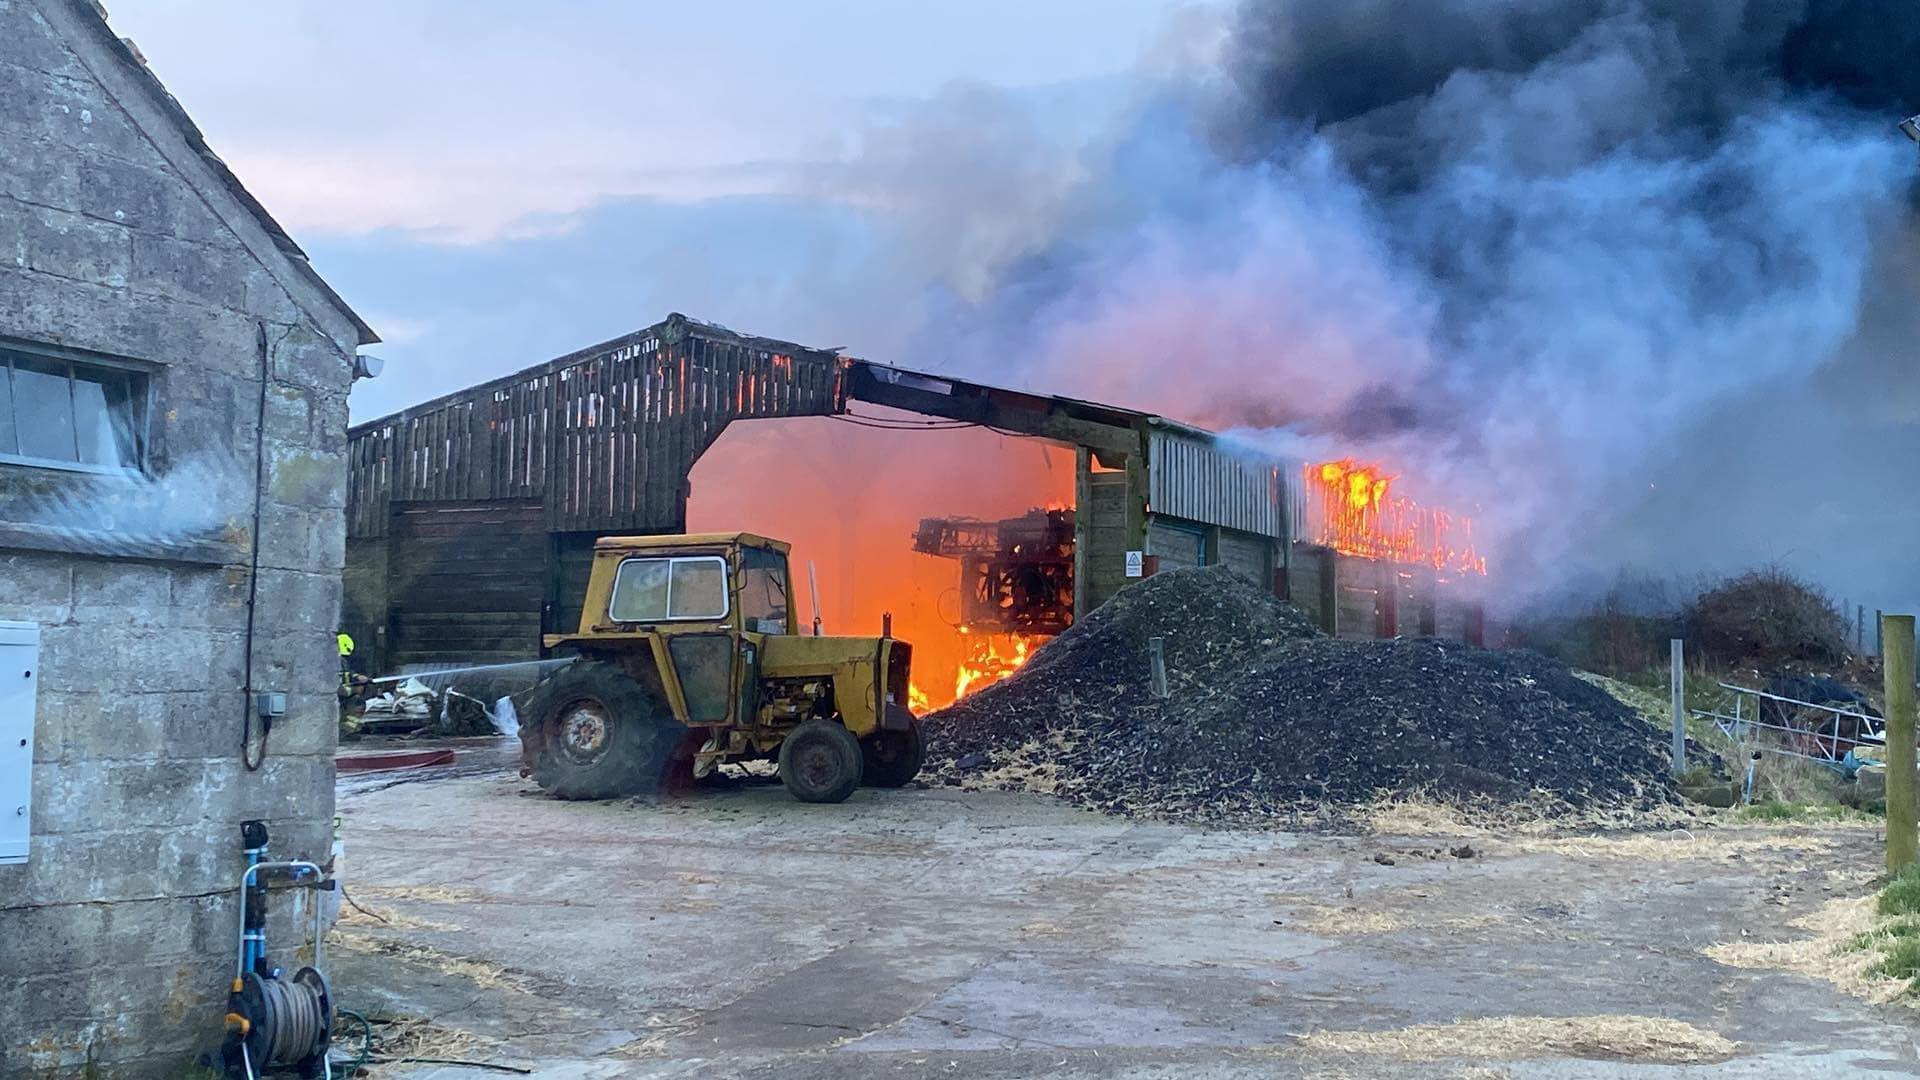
(1112, 432)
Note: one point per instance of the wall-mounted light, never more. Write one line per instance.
(1910, 127)
(367, 366)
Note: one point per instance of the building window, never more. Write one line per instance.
(71, 414)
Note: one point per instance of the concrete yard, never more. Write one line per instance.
(942, 933)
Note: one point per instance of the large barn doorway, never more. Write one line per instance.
(904, 516)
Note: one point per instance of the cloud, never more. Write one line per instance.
(469, 122)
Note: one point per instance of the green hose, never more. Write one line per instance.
(366, 1044)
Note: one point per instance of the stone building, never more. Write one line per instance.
(173, 415)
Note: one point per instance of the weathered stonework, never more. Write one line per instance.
(118, 237)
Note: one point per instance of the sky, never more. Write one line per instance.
(492, 184)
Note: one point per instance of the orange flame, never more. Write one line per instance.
(1349, 510)
(989, 658)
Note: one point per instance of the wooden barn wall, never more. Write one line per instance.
(1176, 544)
(1310, 584)
(1249, 554)
(466, 582)
(603, 439)
(1358, 584)
(1368, 598)
(1101, 534)
(363, 603)
(572, 566)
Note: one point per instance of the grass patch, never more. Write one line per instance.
(1899, 959)
(1884, 935)
(1771, 810)
(1896, 940)
(1902, 894)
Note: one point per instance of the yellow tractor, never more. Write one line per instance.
(688, 656)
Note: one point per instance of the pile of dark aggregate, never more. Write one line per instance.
(1268, 718)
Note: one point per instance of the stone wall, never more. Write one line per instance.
(116, 936)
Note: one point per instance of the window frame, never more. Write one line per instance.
(143, 396)
(774, 560)
(726, 589)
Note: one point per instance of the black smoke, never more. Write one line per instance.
(1566, 264)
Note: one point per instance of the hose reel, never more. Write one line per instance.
(284, 1022)
(275, 1022)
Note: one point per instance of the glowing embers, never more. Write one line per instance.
(1349, 508)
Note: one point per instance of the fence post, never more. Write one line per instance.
(1157, 665)
(1677, 656)
(1896, 638)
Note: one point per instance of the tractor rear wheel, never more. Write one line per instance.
(820, 762)
(894, 757)
(598, 734)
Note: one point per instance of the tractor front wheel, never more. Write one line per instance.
(893, 757)
(595, 733)
(820, 762)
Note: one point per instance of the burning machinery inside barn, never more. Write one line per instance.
(1015, 587)
(1016, 575)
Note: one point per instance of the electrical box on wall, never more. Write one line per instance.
(19, 675)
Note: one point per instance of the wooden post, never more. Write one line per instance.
(1157, 660)
(1677, 674)
(1082, 531)
(1896, 636)
(1386, 600)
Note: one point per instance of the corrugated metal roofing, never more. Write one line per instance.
(1191, 475)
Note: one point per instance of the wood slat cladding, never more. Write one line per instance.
(466, 580)
(604, 438)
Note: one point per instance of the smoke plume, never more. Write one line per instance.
(1629, 280)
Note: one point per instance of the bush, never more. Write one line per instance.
(1766, 617)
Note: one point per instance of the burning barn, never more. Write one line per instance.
(976, 520)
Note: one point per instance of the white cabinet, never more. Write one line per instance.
(19, 675)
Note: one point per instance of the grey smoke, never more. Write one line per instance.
(172, 513)
(1629, 280)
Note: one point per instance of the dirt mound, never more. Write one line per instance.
(1266, 717)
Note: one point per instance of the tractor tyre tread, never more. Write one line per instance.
(820, 762)
(642, 739)
(893, 758)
